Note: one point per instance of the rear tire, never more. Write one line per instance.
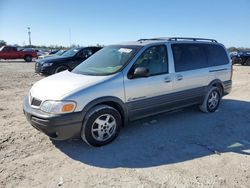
(247, 62)
(101, 125)
(243, 63)
(28, 58)
(211, 101)
(61, 68)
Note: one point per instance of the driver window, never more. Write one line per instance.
(154, 59)
(87, 53)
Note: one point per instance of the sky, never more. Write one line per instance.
(88, 22)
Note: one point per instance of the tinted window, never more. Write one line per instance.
(189, 57)
(84, 53)
(71, 52)
(96, 49)
(216, 55)
(154, 59)
(12, 49)
(6, 49)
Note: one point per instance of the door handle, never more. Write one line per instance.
(179, 77)
(167, 79)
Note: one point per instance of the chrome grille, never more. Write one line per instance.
(35, 102)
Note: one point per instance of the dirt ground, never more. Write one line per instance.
(183, 149)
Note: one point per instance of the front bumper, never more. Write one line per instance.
(43, 70)
(58, 127)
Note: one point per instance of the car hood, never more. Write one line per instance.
(59, 85)
(53, 59)
(46, 56)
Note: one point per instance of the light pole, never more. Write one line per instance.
(69, 37)
(29, 33)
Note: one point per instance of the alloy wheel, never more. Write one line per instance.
(103, 127)
(213, 100)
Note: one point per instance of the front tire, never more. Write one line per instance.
(101, 126)
(211, 101)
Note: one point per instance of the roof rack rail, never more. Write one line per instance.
(193, 39)
(179, 39)
(149, 39)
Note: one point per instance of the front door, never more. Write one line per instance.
(147, 95)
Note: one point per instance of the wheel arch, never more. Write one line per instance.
(114, 102)
(216, 83)
(27, 55)
(60, 65)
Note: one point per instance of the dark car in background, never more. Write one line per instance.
(67, 61)
(242, 58)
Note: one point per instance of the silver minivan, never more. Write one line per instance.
(126, 82)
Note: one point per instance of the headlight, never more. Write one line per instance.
(58, 107)
(47, 64)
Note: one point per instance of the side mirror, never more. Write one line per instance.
(141, 72)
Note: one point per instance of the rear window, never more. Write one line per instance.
(197, 56)
(216, 55)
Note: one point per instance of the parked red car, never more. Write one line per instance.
(11, 52)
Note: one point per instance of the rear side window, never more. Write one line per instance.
(6, 49)
(216, 55)
(189, 57)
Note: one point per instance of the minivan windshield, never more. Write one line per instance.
(107, 61)
(71, 52)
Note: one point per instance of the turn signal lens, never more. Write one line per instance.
(68, 108)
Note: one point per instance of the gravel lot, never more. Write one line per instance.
(183, 149)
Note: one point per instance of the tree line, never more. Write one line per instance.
(234, 49)
(54, 47)
(50, 47)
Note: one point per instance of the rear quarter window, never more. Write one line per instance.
(216, 55)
